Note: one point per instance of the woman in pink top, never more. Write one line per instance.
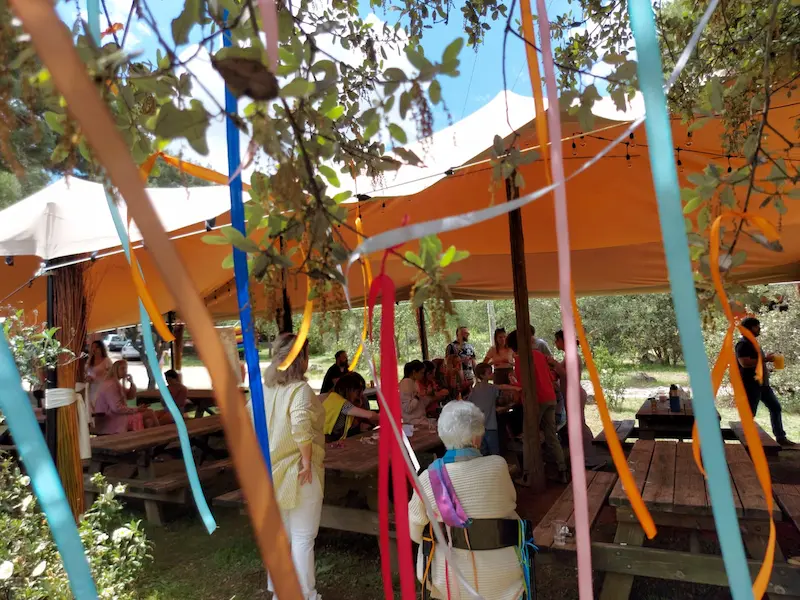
(97, 370)
(117, 416)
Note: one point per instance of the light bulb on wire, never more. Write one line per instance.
(633, 140)
(574, 149)
(689, 140)
(583, 142)
(680, 164)
(729, 164)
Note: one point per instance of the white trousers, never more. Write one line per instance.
(302, 524)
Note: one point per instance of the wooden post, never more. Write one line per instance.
(171, 325)
(492, 321)
(532, 464)
(177, 346)
(423, 333)
(51, 419)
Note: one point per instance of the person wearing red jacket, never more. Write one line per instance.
(546, 397)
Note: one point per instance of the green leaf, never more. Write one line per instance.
(297, 88)
(191, 124)
(330, 175)
(408, 156)
(447, 257)
(398, 133)
(334, 113)
(697, 179)
(394, 74)
(54, 121)
(216, 240)
(183, 23)
(342, 196)
(435, 92)
(750, 146)
(453, 50)
(716, 94)
(413, 258)
(237, 239)
(626, 70)
(703, 218)
(460, 255)
(418, 60)
(227, 262)
(794, 194)
(697, 124)
(405, 104)
(692, 205)
(727, 197)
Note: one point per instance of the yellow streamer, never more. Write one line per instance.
(614, 446)
(305, 327)
(366, 276)
(536, 83)
(727, 361)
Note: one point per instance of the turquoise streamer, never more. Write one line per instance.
(169, 402)
(676, 249)
(39, 465)
(93, 12)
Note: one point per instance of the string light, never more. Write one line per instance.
(574, 149)
(583, 142)
(729, 164)
(680, 164)
(689, 136)
(628, 154)
(633, 140)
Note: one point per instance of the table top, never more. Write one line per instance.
(670, 482)
(354, 456)
(662, 409)
(136, 441)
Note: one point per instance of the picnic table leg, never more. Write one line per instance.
(617, 586)
(89, 496)
(146, 470)
(756, 537)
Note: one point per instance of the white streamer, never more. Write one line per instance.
(58, 398)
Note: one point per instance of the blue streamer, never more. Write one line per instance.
(93, 20)
(242, 273)
(676, 249)
(169, 402)
(39, 465)
(526, 549)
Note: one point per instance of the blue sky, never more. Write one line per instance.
(480, 77)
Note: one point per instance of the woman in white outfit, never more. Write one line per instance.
(295, 422)
(481, 492)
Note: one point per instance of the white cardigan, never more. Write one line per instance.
(485, 490)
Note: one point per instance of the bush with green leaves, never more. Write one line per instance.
(30, 565)
(612, 376)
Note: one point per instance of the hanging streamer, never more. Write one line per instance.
(242, 272)
(269, 18)
(305, 327)
(676, 249)
(366, 276)
(54, 46)
(16, 408)
(536, 83)
(390, 452)
(188, 168)
(169, 402)
(727, 361)
(574, 409)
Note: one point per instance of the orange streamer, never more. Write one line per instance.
(727, 361)
(305, 327)
(536, 84)
(614, 445)
(54, 46)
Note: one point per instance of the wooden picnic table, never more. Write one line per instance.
(202, 399)
(675, 493)
(656, 420)
(140, 448)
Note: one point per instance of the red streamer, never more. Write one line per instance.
(390, 451)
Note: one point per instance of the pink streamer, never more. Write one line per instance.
(575, 420)
(269, 18)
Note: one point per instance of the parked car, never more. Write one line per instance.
(129, 352)
(115, 342)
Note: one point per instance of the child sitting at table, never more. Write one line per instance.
(179, 393)
(485, 395)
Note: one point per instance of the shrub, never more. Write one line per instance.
(30, 566)
(612, 376)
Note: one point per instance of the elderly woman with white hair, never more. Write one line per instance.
(295, 422)
(475, 502)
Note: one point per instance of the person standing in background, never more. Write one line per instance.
(465, 351)
(539, 344)
(759, 391)
(336, 370)
(97, 371)
(501, 357)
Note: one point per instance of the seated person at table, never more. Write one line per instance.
(336, 370)
(430, 391)
(179, 393)
(113, 415)
(465, 486)
(485, 395)
(546, 397)
(413, 406)
(344, 405)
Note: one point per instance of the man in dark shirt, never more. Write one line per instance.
(337, 369)
(759, 391)
(465, 351)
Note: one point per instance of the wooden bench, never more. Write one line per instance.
(598, 486)
(625, 429)
(771, 447)
(170, 488)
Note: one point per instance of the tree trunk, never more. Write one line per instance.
(492, 321)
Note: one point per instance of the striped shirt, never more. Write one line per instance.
(295, 417)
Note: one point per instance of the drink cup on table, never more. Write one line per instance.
(779, 361)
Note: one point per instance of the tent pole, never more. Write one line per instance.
(284, 314)
(171, 325)
(51, 416)
(532, 465)
(423, 333)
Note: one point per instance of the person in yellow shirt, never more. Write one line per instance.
(295, 422)
(344, 405)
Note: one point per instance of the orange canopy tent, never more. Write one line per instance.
(615, 232)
